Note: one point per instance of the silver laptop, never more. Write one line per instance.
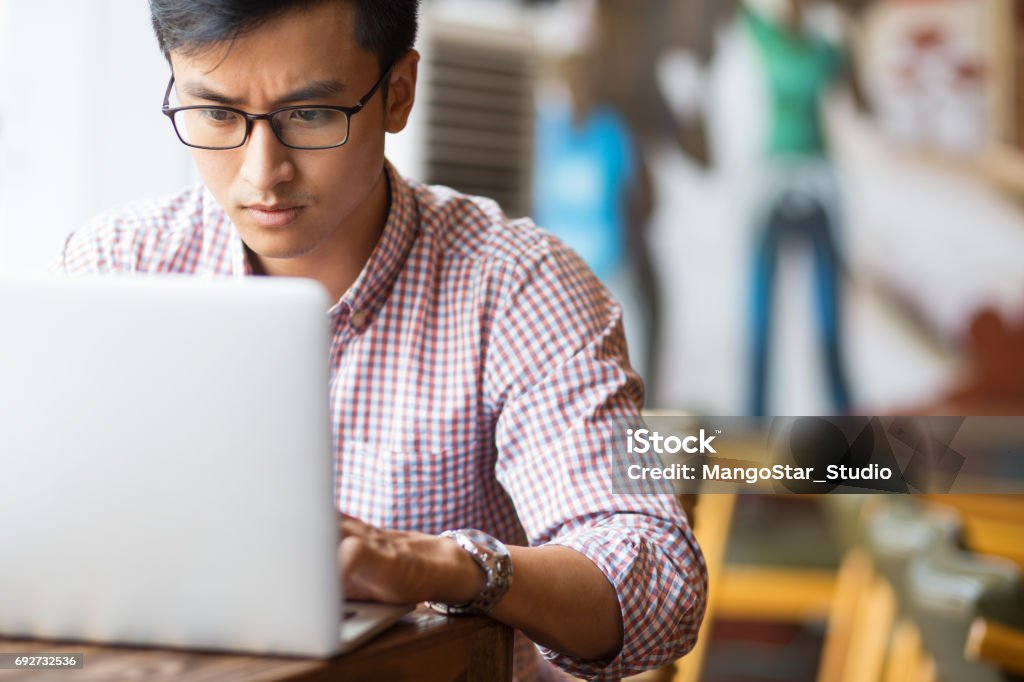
(166, 467)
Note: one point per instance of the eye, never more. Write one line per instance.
(310, 116)
(217, 115)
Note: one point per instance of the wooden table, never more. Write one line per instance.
(422, 646)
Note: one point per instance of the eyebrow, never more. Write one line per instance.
(314, 90)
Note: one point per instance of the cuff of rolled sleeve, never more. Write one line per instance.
(660, 616)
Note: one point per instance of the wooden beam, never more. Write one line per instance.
(774, 593)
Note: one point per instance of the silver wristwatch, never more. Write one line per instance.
(494, 560)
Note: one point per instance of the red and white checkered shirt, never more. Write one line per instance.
(476, 365)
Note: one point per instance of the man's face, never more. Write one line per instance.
(287, 203)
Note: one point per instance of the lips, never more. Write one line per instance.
(272, 215)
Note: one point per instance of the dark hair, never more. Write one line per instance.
(385, 27)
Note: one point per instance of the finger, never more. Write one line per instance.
(358, 564)
(351, 526)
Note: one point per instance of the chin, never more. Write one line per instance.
(277, 244)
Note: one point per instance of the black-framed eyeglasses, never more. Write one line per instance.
(297, 127)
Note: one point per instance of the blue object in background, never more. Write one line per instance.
(798, 217)
(582, 179)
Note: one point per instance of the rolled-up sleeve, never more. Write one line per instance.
(559, 370)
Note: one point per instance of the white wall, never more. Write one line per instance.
(80, 122)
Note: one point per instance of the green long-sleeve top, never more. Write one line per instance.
(800, 68)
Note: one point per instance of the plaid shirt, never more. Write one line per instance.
(476, 365)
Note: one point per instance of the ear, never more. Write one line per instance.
(401, 92)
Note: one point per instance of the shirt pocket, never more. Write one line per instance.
(409, 489)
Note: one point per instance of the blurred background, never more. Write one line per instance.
(804, 208)
(791, 230)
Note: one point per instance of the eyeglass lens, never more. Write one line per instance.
(223, 129)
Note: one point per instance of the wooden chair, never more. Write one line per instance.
(712, 532)
(749, 592)
(997, 644)
(906, 559)
(907, 660)
(866, 640)
(852, 583)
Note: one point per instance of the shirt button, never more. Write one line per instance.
(358, 318)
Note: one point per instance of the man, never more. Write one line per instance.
(476, 364)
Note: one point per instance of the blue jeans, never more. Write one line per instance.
(796, 216)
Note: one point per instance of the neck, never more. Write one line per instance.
(338, 261)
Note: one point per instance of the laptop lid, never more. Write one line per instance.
(166, 464)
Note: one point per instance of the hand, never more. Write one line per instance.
(401, 567)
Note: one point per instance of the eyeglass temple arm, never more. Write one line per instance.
(167, 94)
(380, 81)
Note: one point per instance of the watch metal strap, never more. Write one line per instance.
(497, 568)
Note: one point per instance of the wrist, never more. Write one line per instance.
(460, 578)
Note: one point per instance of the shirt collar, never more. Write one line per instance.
(374, 283)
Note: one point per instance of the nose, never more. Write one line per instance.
(267, 163)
